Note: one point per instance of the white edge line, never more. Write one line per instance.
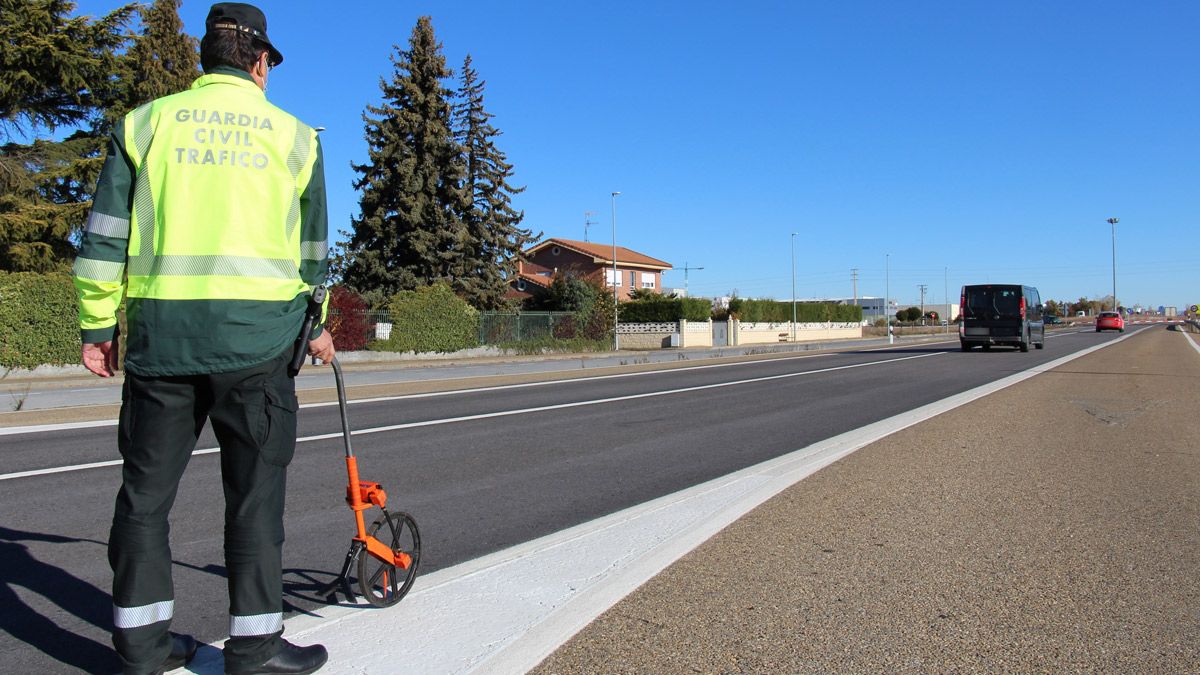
(1191, 341)
(65, 426)
(533, 646)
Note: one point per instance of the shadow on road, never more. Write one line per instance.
(74, 596)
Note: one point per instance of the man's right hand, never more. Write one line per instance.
(101, 358)
(322, 347)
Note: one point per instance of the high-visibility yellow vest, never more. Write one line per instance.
(210, 219)
(222, 241)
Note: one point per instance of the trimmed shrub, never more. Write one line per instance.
(775, 311)
(661, 308)
(571, 293)
(432, 319)
(40, 321)
(347, 321)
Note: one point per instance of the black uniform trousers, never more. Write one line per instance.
(253, 414)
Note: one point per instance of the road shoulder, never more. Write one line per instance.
(1050, 526)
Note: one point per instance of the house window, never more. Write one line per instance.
(647, 280)
(520, 284)
(555, 250)
(608, 278)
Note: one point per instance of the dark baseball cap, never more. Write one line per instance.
(246, 18)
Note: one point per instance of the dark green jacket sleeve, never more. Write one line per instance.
(314, 233)
(99, 271)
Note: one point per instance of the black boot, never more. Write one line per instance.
(183, 648)
(291, 660)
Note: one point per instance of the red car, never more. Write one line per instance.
(1110, 321)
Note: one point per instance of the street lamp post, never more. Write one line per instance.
(1113, 222)
(793, 241)
(887, 291)
(616, 340)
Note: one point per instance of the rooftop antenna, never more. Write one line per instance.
(587, 221)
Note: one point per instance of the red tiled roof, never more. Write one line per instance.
(533, 268)
(603, 253)
(537, 279)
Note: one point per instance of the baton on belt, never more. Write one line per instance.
(311, 316)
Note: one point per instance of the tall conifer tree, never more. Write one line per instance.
(495, 238)
(163, 59)
(55, 71)
(408, 233)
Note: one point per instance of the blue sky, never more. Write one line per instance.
(964, 141)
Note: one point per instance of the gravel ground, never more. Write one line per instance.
(1049, 527)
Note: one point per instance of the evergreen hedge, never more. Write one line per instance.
(39, 320)
(431, 319)
(775, 311)
(661, 308)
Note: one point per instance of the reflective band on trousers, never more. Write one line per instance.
(259, 624)
(136, 617)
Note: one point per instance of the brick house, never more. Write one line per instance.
(588, 260)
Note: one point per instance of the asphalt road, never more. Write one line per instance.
(480, 471)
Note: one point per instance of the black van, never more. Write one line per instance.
(1001, 314)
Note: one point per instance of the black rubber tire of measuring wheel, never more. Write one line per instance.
(384, 584)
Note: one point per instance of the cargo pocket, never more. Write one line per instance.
(279, 441)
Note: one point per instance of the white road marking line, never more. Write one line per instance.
(65, 426)
(1191, 341)
(505, 413)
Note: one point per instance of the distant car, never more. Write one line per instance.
(1110, 321)
(1050, 319)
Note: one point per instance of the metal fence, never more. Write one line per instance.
(508, 327)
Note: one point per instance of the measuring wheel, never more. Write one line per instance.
(384, 584)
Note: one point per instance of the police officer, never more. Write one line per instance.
(210, 218)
